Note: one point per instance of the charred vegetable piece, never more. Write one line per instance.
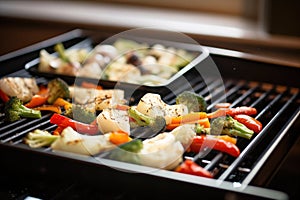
(57, 88)
(63, 103)
(14, 110)
(190, 167)
(214, 143)
(229, 126)
(193, 101)
(80, 114)
(250, 122)
(50, 108)
(157, 124)
(40, 138)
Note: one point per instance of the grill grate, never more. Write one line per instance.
(274, 104)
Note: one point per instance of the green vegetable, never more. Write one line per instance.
(128, 152)
(39, 138)
(14, 110)
(80, 114)
(193, 101)
(157, 124)
(57, 88)
(199, 129)
(229, 126)
(59, 48)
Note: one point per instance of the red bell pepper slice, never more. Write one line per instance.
(201, 141)
(64, 121)
(4, 96)
(190, 167)
(232, 112)
(249, 122)
(241, 110)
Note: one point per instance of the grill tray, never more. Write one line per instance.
(278, 110)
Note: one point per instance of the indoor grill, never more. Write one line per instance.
(271, 88)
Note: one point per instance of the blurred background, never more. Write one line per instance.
(265, 27)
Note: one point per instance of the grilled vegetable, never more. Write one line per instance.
(193, 101)
(38, 99)
(80, 114)
(62, 103)
(229, 126)
(50, 108)
(128, 152)
(162, 151)
(102, 99)
(187, 118)
(226, 138)
(184, 134)
(23, 88)
(241, 110)
(232, 111)
(64, 121)
(165, 150)
(110, 120)
(200, 142)
(250, 122)
(14, 110)
(190, 167)
(200, 130)
(152, 105)
(72, 141)
(39, 138)
(202, 122)
(59, 48)
(57, 88)
(4, 97)
(155, 123)
(119, 137)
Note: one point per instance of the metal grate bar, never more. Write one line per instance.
(250, 147)
(25, 128)
(244, 96)
(223, 97)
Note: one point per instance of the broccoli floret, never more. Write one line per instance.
(57, 88)
(193, 101)
(229, 126)
(14, 110)
(157, 124)
(199, 129)
(80, 114)
(39, 138)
